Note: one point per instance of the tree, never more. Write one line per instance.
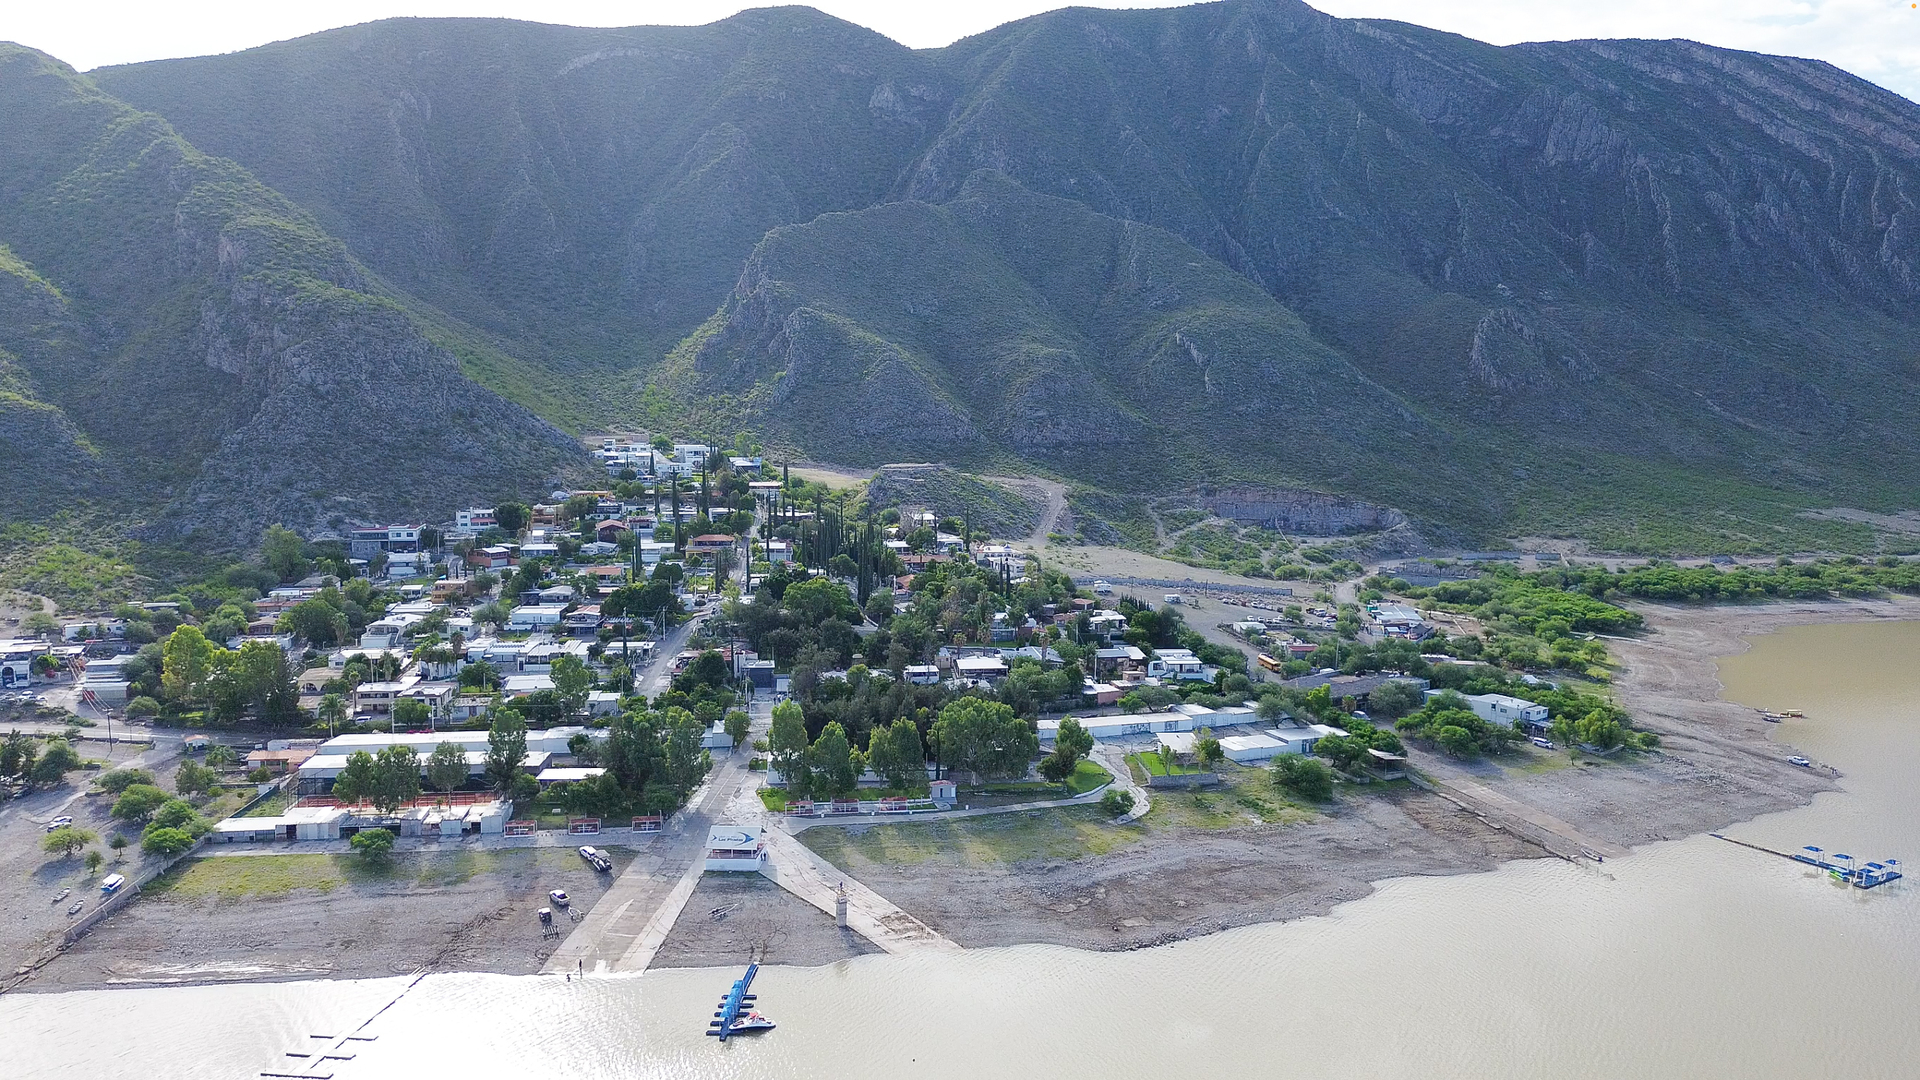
(283, 552)
(372, 845)
(66, 840)
(40, 625)
(894, 751)
(220, 755)
(193, 778)
(187, 663)
(447, 767)
(1072, 741)
(787, 746)
(17, 754)
(332, 711)
(166, 841)
(178, 814)
(94, 859)
(511, 517)
(1207, 751)
(506, 748)
(56, 761)
(831, 759)
(573, 682)
(396, 778)
(358, 780)
(737, 724)
(412, 714)
(138, 802)
(1394, 699)
(1455, 740)
(985, 737)
(115, 781)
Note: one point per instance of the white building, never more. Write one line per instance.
(1504, 710)
(1115, 727)
(736, 847)
(1251, 749)
(1177, 664)
(529, 617)
(16, 660)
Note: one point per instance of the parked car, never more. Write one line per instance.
(1544, 744)
(1800, 761)
(596, 858)
(559, 897)
(60, 822)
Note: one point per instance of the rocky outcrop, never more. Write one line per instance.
(1310, 513)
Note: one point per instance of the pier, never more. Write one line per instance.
(1841, 867)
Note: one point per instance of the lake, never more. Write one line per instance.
(1694, 958)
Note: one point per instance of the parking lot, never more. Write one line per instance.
(33, 913)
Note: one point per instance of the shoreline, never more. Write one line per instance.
(1719, 764)
(1176, 879)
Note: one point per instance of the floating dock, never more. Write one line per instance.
(732, 1005)
(1840, 867)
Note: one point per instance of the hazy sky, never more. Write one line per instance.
(1877, 39)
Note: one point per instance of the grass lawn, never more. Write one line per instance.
(1244, 796)
(272, 806)
(1086, 776)
(251, 876)
(774, 799)
(1064, 833)
(1155, 765)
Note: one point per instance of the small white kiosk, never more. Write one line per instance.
(736, 847)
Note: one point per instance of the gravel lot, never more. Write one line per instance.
(31, 920)
(762, 922)
(269, 917)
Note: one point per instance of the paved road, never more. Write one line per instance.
(795, 868)
(1114, 757)
(628, 925)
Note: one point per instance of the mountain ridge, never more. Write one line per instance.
(1655, 294)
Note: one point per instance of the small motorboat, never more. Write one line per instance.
(751, 1021)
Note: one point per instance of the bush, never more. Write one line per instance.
(138, 802)
(372, 843)
(116, 781)
(143, 706)
(1303, 776)
(166, 841)
(260, 775)
(193, 778)
(1116, 802)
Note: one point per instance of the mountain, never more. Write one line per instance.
(1656, 294)
(179, 342)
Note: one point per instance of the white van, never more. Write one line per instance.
(112, 883)
(1173, 598)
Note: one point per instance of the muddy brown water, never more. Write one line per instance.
(1694, 958)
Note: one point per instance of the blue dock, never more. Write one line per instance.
(730, 1006)
(1839, 866)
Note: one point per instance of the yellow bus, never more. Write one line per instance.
(1269, 662)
